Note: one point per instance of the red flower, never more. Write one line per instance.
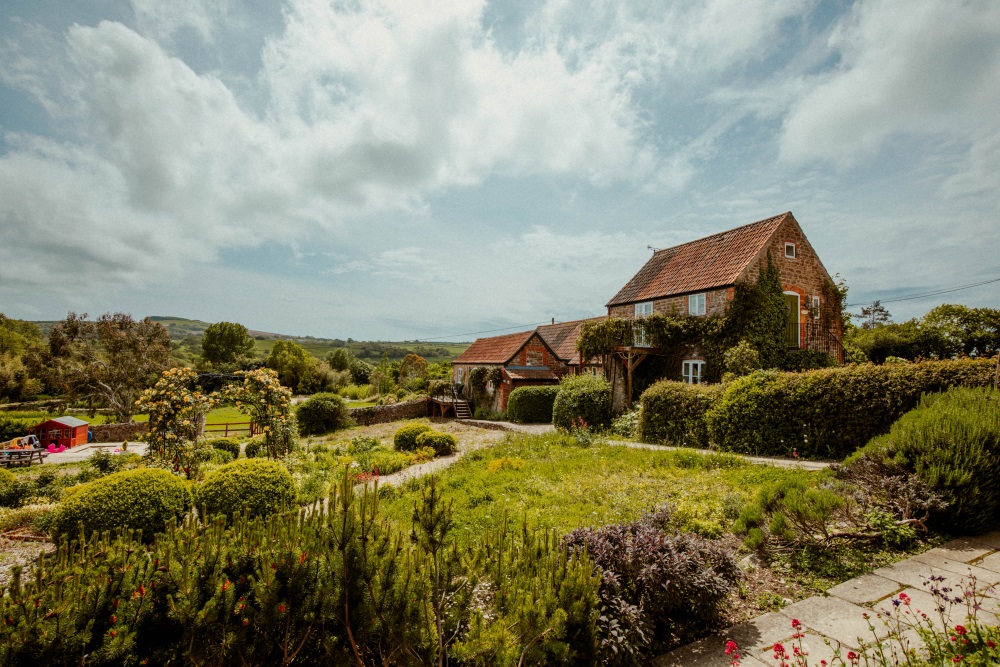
(281, 609)
(990, 643)
(796, 623)
(731, 647)
(778, 649)
(225, 585)
(960, 630)
(114, 619)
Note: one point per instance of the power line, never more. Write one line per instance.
(474, 333)
(927, 294)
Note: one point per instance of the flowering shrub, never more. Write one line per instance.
(269, 405)
(657, 586)
(175, 405)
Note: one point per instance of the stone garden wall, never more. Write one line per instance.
(381, 414)
(118, 432)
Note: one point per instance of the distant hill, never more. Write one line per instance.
(187, 333)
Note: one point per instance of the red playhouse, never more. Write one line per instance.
(63, 431)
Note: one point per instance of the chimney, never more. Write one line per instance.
(553, 320)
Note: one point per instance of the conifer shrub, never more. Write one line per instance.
(532, 405)
(673, 413)
(231, 445)
(952, 443)
(582, 397)
(253, 487)
(145, 499)
(405, 439)
(322, 413)
(831, 412)
(442, 443)
(658, 584)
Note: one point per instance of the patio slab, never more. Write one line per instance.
(866, 589)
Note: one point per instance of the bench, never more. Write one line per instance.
(20, 457)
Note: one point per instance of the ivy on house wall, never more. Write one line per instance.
(479, 378)
(756, 315)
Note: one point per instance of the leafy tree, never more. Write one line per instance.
(226, 342)
(340, 359)
(291, 362)
(110, 361)
(971, 331)
(412, 367)
(17, 336)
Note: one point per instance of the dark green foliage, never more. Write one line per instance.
(906, 340)
(532, 405)
(252, 448)
(828, 413)
(659, 586)
(145, 500)
(226, 343)
(758, 316)
(807, 360)
(12, 492)
(789, 513)
(582, 397)
(443, 444)
(405, 439)
(322, 413)
(335, 586)
(11, 428)
(107, 463)
(952, 443)
(231, 445)
(255, 487)
(673, 413)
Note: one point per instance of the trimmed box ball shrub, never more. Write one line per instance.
(253, 487)
(532, 405)
(12, 492)
(952, 443)
(673, 413)
(252, 448)
(322, 413)
(405, 439)
(582, 397)
(832, 412)
(231, 445)
(443, 443)
(144, 499)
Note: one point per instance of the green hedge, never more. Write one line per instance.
(673, 413)
(144, 499)
(952, 443)
(231, 445)
(255, 487)
(582, 397)
(442, 443)
(322, 413)
(405, 438)
(532, 405)
(832, 412)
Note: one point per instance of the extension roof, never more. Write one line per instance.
(712, 262)
(494, 350)
(562, 338)
(530, 373)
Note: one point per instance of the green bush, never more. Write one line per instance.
(252, 448)
(322, 413)
(13, 492)
(829, 413)
(231, 445)
(673, 413)
(952, 443)
(532, 405)
(253, 487)
(582, 397)
(443, 443)
(143, 499)
(807, 360)
(405, 439)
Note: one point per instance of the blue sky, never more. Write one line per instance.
(391, 169)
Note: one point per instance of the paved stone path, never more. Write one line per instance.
(84, 452)
(837, 616)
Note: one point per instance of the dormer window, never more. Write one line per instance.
(790, 250)
(696, 304)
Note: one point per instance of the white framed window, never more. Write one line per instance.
(639, 338)
(692, 370)
(790, 250)
(696, 304)
(460, 375)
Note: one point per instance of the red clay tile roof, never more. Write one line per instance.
(495, 350)
(711, 262)
(521, 373)
(562, 338)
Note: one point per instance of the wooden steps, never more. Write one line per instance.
(462, 410)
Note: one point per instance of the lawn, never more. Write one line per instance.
(553, 483)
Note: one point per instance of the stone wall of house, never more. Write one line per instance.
(716, 302)
(381, 414)
(118, 432)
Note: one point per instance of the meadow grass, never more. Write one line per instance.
(551, 482)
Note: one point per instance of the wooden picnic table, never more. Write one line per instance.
(21, 457)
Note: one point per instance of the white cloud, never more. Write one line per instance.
(930, 68)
